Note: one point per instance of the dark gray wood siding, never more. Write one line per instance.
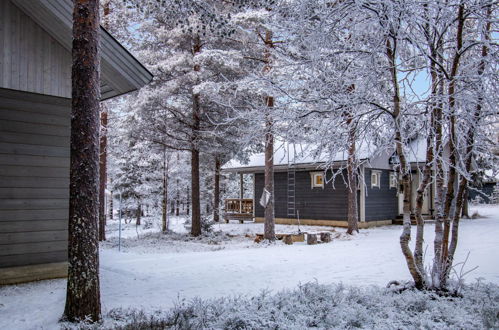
(381, 203)
(34, 178)
(313, 203)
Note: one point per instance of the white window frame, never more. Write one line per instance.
(377, 175)
(313, 175)
(393, 180)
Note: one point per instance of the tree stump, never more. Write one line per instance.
(288, 239)
(325, 237)
(311, 239)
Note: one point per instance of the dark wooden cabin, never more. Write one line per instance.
(35, 101)
(304, 191)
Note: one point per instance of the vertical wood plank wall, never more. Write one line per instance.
(30, 59)
(34, 178)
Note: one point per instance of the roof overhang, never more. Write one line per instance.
(319, 166)
(120, 71)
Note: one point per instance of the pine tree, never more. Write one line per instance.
(83, 295)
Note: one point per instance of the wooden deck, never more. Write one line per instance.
(238, 209)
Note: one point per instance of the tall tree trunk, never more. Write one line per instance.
(196, 124)
(187, 203)
(111, 197)
(83, 292)
(449, 198)
(216, 192)
(102, 175)
(196, 207)
(404, 168)
(269, 225)
(470, 141)
(138, 213)
(441, 241)
(435, 107)
(440, 188)
(352, 178)
(165, 193)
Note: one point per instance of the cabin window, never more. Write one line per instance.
(317, 179)
(393, 180)
(375, 179)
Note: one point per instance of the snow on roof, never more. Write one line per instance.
(416, 151)
(297, 154)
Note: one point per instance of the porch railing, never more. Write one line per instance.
(240, 206)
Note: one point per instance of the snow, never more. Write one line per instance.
(153, 276)
(416, 150)
(300, 153)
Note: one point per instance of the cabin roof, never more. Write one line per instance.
(307, 156)
(121, 72)
(300, 155)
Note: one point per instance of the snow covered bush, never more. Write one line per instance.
(324, 306)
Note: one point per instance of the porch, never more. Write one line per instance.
(238, 209)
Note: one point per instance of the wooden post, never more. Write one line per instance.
(241, 192)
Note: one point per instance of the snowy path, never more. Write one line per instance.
(155, 280)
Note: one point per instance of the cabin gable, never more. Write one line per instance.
(31, 60)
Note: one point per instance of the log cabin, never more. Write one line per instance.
(35, 109)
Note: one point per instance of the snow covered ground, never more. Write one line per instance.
(153, 271)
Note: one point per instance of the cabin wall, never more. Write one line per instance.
(34, 178)
(30, 59)
(482, 193)
(313, 203)
(382, 202)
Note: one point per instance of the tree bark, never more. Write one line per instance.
(216, 192)
(187, 203)
(449, 198)
(164, 223)
(404, 169)
(196, 207)
(196, 124)
(111, 197)
(352, 178)
(138, 213)
(269, 225)
(83, 292)
(470, 141)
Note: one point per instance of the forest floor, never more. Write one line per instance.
(156, 271)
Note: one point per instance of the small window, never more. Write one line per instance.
(317, 179)
(393, 180)
(375, 179)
